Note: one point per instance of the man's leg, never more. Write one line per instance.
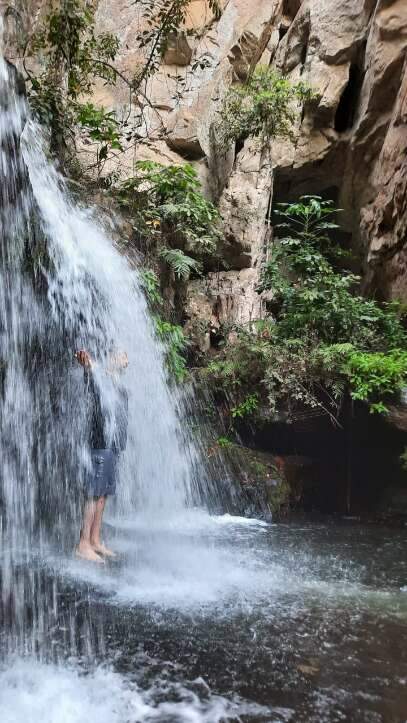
(85, 548)
(95, 540)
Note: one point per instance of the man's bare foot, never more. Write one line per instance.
(86, 552)
(102, 550)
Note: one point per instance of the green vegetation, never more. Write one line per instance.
(171, 335)
(311, 294)
(71, 58)
(167, 207)
(175, 344)
(376, 375)
(181, 264)
(246, 407)
(323, 340)
(102, 128)
(224, 443)
(265, 107)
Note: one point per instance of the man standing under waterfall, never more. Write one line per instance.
(105, 450)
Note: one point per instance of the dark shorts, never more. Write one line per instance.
(102, 478)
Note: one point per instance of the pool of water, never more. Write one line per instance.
(208, 619)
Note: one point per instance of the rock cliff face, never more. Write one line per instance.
(350, 145)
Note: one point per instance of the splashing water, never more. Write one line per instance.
(64, 286)
(95, 297)
(52, 695)
(282, 616)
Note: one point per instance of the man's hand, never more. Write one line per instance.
(83, 358)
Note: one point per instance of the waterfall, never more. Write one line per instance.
(96, 303)
(64, 286)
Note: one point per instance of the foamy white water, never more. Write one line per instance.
(32, 692)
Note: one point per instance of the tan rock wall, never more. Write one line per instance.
(351, 145)
(363, 163)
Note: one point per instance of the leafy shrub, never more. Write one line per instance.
(246, 407)
(311, 295)
(181, 264)
(168, 208)
(171, 197)
(72, 58)
(101, 126)
(375, 375)
(171, 335)
(324, 339)
(265, 107)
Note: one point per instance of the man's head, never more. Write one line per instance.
(83, 358)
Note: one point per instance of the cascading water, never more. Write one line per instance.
(307, 621)
(65, 287)
(96, 303)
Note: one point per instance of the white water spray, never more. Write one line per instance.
(64, 287)
(95, 294)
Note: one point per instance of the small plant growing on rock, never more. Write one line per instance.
(171, 335)
(71, 57)
(181, 264)
(247, 407)
(265, 107)
(169, 209)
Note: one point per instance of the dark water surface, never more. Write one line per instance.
(212, 619)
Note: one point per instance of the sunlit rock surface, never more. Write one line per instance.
(350, 146)
(350, 143)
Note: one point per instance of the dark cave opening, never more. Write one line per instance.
(290, 8)
(239, 145)
(346, 110)
(282, 31)
(289, 186)
(353, 469)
